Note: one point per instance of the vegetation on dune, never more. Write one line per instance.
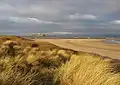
(87, 70)
(25, 62)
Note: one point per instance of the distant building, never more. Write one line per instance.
(38, 35)
(89, 37)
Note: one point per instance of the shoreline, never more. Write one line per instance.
(92, 46)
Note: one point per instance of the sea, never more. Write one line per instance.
(109, 38)
(112, 41)
(76, 36)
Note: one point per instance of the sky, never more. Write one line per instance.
(60, 16)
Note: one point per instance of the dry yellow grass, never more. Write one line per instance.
(87, 70)
(26, 62)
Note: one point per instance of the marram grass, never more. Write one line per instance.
(86, 70)
(25, 62)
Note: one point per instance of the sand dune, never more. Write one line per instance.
(96, 46)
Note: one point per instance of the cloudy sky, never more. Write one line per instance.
(81, 16)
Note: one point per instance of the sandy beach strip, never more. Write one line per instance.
(96, 46)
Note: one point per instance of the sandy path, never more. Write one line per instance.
(88, 45)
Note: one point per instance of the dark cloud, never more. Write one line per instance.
(72, 15)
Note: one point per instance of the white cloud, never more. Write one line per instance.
(23, 20)
(77, 16)
(62, 33)
(46, 12)
(115, 22)
(30, 20)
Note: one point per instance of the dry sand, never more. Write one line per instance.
(96, 46)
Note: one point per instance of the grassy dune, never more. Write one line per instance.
(87, 70)
(25, 62)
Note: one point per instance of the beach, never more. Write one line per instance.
(95, 46)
